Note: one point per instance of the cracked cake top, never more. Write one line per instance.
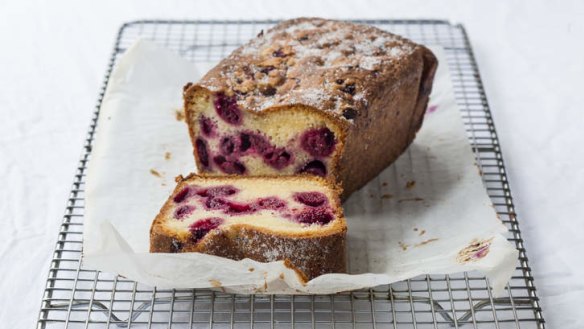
(331, 65)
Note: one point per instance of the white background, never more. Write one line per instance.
(53, 56)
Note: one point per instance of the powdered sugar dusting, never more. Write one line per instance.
(320, 63)
(301, 26)
(369, 63)
(395, 52)
(314, 96)
(304, 252)
(331, 57)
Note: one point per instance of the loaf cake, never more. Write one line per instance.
(297, 219)
(323, 97)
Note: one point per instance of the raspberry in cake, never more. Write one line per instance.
(322, 97)
(297, 219)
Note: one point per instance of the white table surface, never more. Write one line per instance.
(53, 56)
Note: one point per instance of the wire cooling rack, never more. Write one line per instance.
(79, 298)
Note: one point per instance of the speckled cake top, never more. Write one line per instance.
(330, 65)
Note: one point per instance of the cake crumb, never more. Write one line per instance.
(410, 184)
(167, 156)
(431, 109)
(476, 250)
(179, 115)
(215, 283)
(403, 246)
(387, 196)
(422, 232)
(479, 169)
(155, 173)
(425, 242)
(410, 199)
(282, 276)
(251, 269)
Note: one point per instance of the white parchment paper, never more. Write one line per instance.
(429, 213)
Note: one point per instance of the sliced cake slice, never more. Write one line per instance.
(297, 219)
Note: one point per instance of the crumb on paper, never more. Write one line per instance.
(179, 115)
(431, 109)
(415, 229)
(299, 274)
(479, 169)
(425, 242)
(155, 173)
(282, 276)
(215, 283)
(403, 246)
(251, 269)
(410, 184)
(422, 232)
(476, 250)
(387, 196)
(410, 199)
(167, 156)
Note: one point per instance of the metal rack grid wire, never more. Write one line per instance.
(79, 298)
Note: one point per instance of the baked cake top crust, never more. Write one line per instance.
(330, 65)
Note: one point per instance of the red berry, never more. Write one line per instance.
(315, 216)
(227, 109)
(237, 208)
(216, 203)
(245, 142)
(259, 143)
(278, 158)
(270, 203)
(232, 167)
(182, 195)
(200, 228)
(207, 126)
(215, 191)
(313, 199)
(318, 142)
(315, 167)
(183, 211)
(202, 152)
(219, 159)
(228, 145)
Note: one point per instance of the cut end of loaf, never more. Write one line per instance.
(285, 140)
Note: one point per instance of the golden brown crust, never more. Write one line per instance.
(394, 118)
(371, 84)
(310, 253)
